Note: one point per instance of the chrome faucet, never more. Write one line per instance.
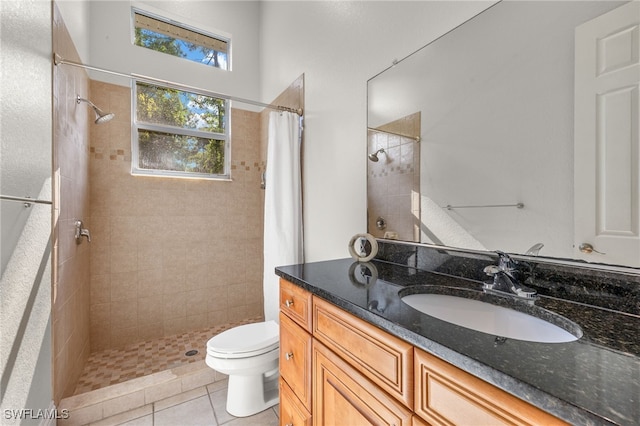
(507, 278)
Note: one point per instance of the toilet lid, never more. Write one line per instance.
(245, 339)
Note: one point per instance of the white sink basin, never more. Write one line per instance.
(488, 318)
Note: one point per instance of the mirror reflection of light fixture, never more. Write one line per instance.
(101, 116)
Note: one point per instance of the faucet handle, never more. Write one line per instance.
(81, 232)
(492, 270)
(505, 262)
(534, 249)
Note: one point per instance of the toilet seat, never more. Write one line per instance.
(245, 341)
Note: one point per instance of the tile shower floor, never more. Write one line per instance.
(113, 366)
(204, 405)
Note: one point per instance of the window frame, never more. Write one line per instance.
(164, 17)
(136, 126)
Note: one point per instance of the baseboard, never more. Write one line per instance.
(50, 419)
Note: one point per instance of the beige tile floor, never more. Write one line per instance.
(206, 407)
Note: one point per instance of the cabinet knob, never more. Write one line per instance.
(289, 424)
(288, 303)
(288, 355)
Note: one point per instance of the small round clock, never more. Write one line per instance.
(363, 247)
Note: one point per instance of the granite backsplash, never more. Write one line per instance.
(615, 290)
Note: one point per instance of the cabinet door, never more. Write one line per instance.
(446, 395)
(342, 396)
(292, 413)
(295, 359)
(382, 358)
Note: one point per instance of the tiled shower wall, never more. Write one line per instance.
(70, 304)
(393, 183)
(171, 255)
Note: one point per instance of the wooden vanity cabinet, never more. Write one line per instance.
(336, 369)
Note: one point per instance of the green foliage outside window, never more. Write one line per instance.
(181, 48)
(158, 42)
(180, 131)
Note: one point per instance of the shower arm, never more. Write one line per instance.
(95, 108)
(79, 99)
(101, 116)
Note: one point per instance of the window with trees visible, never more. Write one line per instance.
(179, 133)
(173, 38)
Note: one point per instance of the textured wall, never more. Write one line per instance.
(25, 287)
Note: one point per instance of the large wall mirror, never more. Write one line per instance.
(516, 131)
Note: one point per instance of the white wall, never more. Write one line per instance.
(339, 45)
(111, 44)
(26, 127)
(75, 14)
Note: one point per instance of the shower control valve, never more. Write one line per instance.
(81, 232)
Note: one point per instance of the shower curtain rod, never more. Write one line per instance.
(57, 60)
(373, 129)
(25, 200)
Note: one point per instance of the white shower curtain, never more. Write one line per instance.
(283, 204)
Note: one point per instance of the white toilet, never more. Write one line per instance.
(248, 354)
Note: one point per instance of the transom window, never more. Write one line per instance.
(173, 38)
(179, 133)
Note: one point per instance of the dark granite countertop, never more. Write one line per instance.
(593, 380)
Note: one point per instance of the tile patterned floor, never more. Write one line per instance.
(207, 409)
(119, 365)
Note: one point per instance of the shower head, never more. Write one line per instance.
(101, 117)
(374, 157)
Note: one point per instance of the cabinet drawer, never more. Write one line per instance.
(295, 302)
(343, 396)
(292, 413)
(295, 359)
(384, 359)
(446, 395)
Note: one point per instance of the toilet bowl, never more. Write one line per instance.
(248, 354)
